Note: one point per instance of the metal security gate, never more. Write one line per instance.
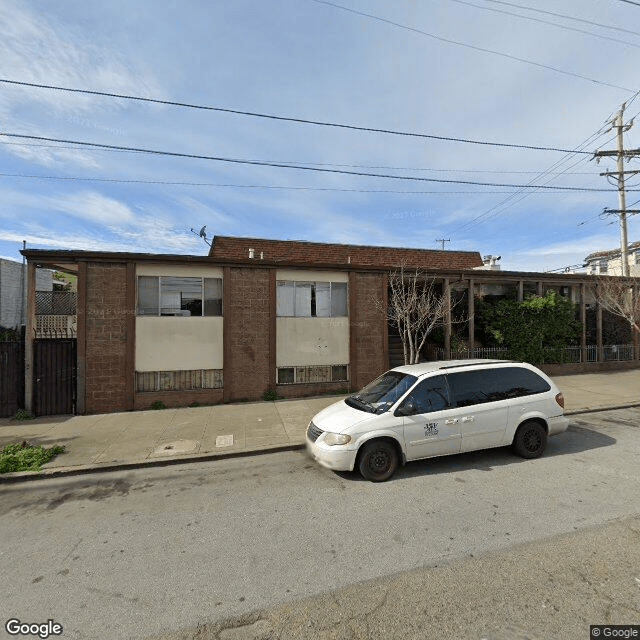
(54, 376)
(11, 377)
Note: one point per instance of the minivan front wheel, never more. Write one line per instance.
(530, 439)
(378, 461)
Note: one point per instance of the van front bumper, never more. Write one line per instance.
(336, 458)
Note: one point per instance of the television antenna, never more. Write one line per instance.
(202, 234)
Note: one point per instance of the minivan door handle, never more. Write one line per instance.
(451, 421)
(467, 419)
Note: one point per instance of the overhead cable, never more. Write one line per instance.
(471, 46)
(553, 24)
(285, 166)
(240, 186)
(283, 118)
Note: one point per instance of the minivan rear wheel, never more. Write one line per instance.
(530, 440)
(378, 461)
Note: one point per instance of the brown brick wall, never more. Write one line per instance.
(177, 398)
(311, 389)
(368, 328)
(248, 308)
(293, 251)
(106, 338)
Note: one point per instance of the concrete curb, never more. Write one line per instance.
(45, 474)
(25, 476)
(631, 405)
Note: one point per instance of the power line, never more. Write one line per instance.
(631, 2)
(286, 166)
(244, 186)
(470, 46)
(283, 118)
(561, 15)
(327, 164)
(553, 24)
(511, 199)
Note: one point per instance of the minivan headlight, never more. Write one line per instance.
(336, 438)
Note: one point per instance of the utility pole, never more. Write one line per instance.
(443, 240)
(620, 154)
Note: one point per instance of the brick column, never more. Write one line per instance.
(106, 385)
(368, 331)
(247, 332)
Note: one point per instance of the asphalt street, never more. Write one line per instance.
(236, 548)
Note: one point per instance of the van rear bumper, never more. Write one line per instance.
(557, 424)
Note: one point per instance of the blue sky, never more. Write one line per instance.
(305, 59)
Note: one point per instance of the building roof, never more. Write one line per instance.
(611, 253)
(303, 252)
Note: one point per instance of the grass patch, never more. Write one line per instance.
(23, 456)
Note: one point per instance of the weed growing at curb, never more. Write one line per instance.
(158, 404)
(21, 415)
(23, 456)
(269, 395)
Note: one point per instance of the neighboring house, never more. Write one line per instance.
(13, 288)
(609, 262)
(295, 317)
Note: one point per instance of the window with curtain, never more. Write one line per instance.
(179, 296)
(311, 299)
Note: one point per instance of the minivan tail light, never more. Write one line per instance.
(560, 399)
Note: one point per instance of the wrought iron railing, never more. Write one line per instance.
(573, 354)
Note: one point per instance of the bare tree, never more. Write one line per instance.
(415, 308)
(619, 297)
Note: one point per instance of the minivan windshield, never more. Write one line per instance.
(382, 393)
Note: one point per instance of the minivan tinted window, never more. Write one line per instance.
(491, 385)
(428, 396)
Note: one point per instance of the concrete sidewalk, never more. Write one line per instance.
(132, 439)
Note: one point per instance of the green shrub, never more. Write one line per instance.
(535, 330)
(158, 404)
(23, 456)
(269, 394)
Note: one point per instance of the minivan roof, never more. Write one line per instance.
(428, 367)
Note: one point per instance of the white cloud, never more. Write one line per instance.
(93, 206)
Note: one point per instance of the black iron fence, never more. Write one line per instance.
(11, 375)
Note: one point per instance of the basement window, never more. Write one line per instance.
(311, 299)
(179, 296)
(188, 380)
(312, 374)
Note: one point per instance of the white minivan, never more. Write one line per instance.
(435, 409)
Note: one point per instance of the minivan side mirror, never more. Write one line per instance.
(406, 409)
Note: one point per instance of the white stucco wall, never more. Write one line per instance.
(299, 275)
(312, 341)
(166, 343)
(178, 270)
(175, 344)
